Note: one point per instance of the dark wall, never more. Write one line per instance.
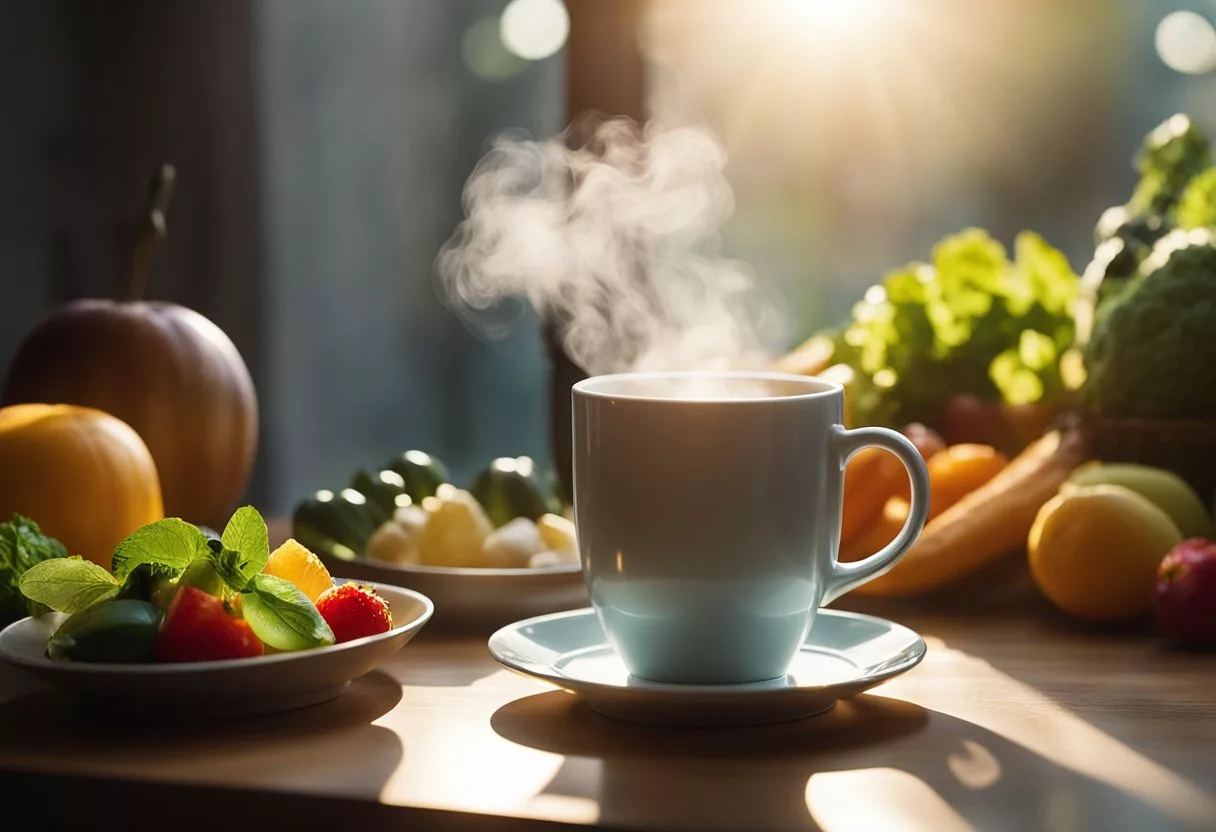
(97, 96)
(320, 148)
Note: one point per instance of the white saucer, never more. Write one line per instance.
(845, 654)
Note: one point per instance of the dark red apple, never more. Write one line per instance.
(1184, 596)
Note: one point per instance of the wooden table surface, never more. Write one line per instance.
(1016, 720)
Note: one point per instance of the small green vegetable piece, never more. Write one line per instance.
(172, 542)
(1153, 350)
(22, 546)
(385, 491)
(335, 524)
(282, 616)
(511, 487)
(212, 575)
(113, 631)
(422, 473)
(68, 585)
(152, 582)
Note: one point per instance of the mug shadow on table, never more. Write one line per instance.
(335, 737)
(816, 773)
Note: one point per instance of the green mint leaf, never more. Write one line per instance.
(282, 616)
(68, 585)
(230, 566)
(171, 541)
(22, 546)
(246, 534)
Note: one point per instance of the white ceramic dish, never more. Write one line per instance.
(478, 599)
(234, 687)
(845, 654)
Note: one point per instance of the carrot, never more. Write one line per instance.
(874, 476)
(985, 525)
(953, 474)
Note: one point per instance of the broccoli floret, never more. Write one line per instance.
(1153, 349)
(1197, 205)
(1172, 154)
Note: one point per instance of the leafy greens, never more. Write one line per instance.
(22, 546)
(152, 560)
(969, 321)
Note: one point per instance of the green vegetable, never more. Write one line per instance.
(557, 498)
(215, 574)
(1153, 349)
(1176, 188)
(152, 582)
(1197, 205)
(114, 631)
(1171, 155)
(385, 491)
(22, 546)
(970, 321)
(115, 617)
(68, 585)
(282, 616)
(422, 473)
(510, 487)
(335, 524)
(172, 542)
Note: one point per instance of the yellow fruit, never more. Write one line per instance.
(1165, 489)
(398, 540)
(457, 529)
(558, 534)
(296, 564)
(1094, 551)
(85, 477)
(512, 545)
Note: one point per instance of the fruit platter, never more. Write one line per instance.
(1068, 421)
(195, 623)
(501, 549)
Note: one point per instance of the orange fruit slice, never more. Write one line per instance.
(296, 564)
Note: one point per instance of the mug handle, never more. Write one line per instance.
(847, 576)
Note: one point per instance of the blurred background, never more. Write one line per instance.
(321, 149)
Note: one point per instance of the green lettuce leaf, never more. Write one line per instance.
(172, 542)
(68, 585)
(22, 546)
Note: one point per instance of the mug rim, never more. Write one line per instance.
(819, 388)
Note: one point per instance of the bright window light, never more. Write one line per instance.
(1186, 43)
(534, 29)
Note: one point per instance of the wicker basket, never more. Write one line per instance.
(1185, 446)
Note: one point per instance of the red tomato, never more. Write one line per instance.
(197, 628)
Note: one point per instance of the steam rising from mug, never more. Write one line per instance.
(615, 240)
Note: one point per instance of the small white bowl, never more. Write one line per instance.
(478, 599)
(232, 687)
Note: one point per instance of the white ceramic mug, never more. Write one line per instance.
(708, 509)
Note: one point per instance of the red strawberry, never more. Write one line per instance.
(198, 628)
(354, 611)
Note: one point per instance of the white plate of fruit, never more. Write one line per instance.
(187, 624)
(502, 549)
